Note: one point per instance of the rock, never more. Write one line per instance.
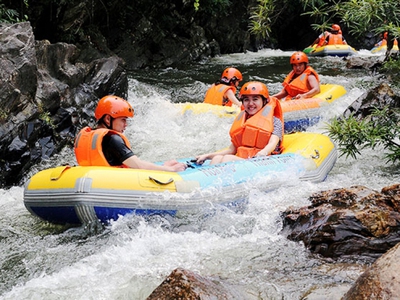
(18, 75)
(184, 284)
(47, 91)
(380, 281)
(348, 223)
(358, 62)
(378, 97)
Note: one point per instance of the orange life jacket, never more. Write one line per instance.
(216, 94)
(322, 38)
(88, 149)
(335, 39)
(252, 135)
(299, 85)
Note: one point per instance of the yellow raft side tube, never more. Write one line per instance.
(104, 178)
(200, 108)
(314, 147)
(328, 93)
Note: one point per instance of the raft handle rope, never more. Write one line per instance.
(160, 182)
(316, 156)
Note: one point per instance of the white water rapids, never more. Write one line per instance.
(132, 256)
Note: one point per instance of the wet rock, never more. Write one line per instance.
(349, 223)
(378, 97)
(47, 92)
(369, 63)
(380, 281)
(18, 80)
(184, 284)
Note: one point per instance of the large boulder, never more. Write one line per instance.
(47, 92)
(380, 281)
(347, 223)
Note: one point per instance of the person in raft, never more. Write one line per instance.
(223, 91)
(321, 39)
(383, 40)
(302, 81)
(258, 129)
(335, 37)
(107, 146)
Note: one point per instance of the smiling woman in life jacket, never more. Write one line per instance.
(223, 91)
(302, 81)
(107, 146)
(256, 131)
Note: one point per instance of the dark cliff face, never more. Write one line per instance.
(164, 33)
(146, 34)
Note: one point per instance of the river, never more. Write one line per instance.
(129, 258)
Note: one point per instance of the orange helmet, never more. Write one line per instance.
(298, 57)
(336, 27)
(385, 35)
(113, 106)
(254, 88)
(232, 74)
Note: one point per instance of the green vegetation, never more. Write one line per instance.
(381, 128)
(213, 7)
(261, 18)
(391, 68)
(9, 15)
(44, 115)
(359, 17)
(196, 5)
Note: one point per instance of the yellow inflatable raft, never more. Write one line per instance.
(82, 195)
(333, 50)
(298, 114)
(379, 50)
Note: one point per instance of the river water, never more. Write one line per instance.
(129, 258)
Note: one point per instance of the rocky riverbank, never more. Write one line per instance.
(46, 92)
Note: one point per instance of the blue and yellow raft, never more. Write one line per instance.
(81, 195)
(298, 114)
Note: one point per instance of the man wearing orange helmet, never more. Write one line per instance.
(336, 37)
(302, 81)
(258, 129)
(107, 146)
(223, 91)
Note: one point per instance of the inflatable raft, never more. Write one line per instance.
(83, 195)
(395, 48)
(302, 113)
(298, 114)
(309, 49)
(379, 50)
(332, 50)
